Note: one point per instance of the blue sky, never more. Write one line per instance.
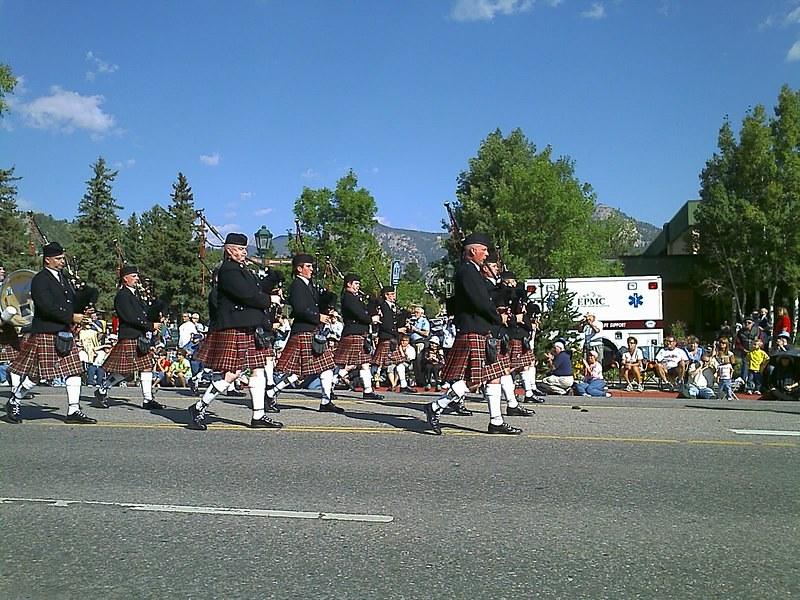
(255, 99)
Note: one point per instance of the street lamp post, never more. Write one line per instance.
(263, 243)
(449, 272)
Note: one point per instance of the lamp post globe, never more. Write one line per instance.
(263, 241)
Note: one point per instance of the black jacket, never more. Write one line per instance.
(388, 325)
(240, 301)
(304, 300)
(475, 311)
(354, 315)
(54, 303)
(132, 313)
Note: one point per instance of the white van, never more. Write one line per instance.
(625, 305)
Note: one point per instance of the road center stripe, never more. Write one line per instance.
(765, 432)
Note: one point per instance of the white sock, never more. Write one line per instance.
(269, 371)
(456, 392)
(15, 380)
(73, 394)
(258, 385)
(507, 385)
(326, 379)
(493, 393)
(340, 374)
(529, 381)
(23, 386)
(146, 383)
(213, 390)
(401, 373)
(366, 377)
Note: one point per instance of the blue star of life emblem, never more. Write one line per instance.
(635, 300)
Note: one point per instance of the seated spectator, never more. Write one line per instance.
(593, 383)
(631, 365)
(699, 377)
(95, 373)
(201, 329)
(757, 361)
(782, 382)
(725, 365)
(670, 366)
(693, 350)
(559, 379)
(180, 370)
(397, 373)
(432, 361)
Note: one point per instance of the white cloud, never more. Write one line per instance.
(309, 174)
(793, 17)
(228, 228)
(486, 10)
(126, 164)
(245, 195)
(262, 212)
(597, 11)
(67, 111)
(98, 66)
(231, 214)
(211, 160)
(24, 204)
(794, 53)
(383, 221)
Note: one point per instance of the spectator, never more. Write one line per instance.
(700, 376)
(743, 342)
(397, 373)
(765, 325)
(725, 364)
(186, 329)
(591, 327)
(757, 361)
(180, 370)
(782, 343)
(670, 366)
(432, 361)
(161, 367)
(593, 383)
(448, 336)
(559, 379)
(782, 322)
(694, 351)
(419, 333)
(631, 365)
(198, 325)
(783, 379)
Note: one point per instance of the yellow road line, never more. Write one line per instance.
(394, 431)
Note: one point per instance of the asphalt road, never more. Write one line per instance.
(617, 498)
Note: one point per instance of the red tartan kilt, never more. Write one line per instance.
(520, 357)
(9, 344)
(350, 351)
(124, 359)
(298, 358)
(384, 356)
(38, 359)
(231, 350)
(467, 360)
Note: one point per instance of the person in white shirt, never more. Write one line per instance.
(590, 328)
(671, 363)
(199, 326)
(631, 365)
(186, 330)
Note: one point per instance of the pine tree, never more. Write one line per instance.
(155, 248)
(557, 322)
(131, 242)
(14, 251)
(181, 272)
(96, 228)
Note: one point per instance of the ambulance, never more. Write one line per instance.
(626, 306)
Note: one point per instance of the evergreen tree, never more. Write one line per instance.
(557, 321)
(181, 273)
(96, 228)
(14, 250)
(7, 84)
(155, 248)
(131, 242)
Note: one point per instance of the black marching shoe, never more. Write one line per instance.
(537, 398)
(265, 423)
(271, 405)
(460, 408)
(504, 429)
(407, 390)
(371, 396)
(518, 411)
(152, 405)
(197, 418)
(79, 418)
(331, 408)
(12, 412)
(433, 419)
(102, 399)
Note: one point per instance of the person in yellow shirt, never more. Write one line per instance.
(757, 360)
